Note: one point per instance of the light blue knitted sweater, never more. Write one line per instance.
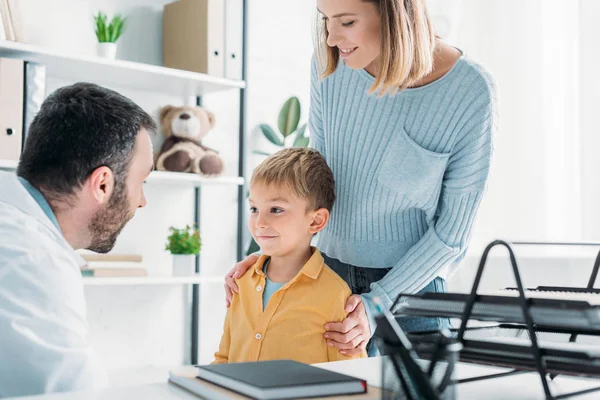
(410, 171)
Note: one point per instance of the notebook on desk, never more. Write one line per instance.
(282, 379)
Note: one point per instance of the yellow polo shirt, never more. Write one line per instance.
(292, 324)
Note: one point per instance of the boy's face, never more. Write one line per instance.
(281, 222)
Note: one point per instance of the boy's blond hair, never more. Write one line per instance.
(302, 170)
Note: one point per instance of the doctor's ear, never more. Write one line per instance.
(101, 183)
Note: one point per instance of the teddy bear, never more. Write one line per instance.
(182, 150)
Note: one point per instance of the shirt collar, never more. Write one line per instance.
(311, 269)
(41, 201)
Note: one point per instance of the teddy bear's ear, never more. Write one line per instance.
(164, 111)
(211, 119)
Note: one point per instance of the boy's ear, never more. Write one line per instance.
(319, 220)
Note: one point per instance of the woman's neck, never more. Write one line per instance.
(444, 58)
(282, 269)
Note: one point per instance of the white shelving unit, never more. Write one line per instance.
(152, 280)
(164, 177)
(129, 74)
(180, 178)
(8, 165)
(150, 79)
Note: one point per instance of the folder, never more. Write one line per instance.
(194, 36)
(11, 108)
(6, 20)
(2, 29)
(34, 93)
(16, 17)
(234, 14)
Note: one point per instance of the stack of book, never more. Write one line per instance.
(12, 26)
(113, 265)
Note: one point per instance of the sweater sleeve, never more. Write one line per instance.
(446, 239)
(315, 120)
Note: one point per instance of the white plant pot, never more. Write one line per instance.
(184, 264)
(107, 50)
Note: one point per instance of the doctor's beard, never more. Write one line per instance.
(108, 223)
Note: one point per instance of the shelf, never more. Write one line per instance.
(164, 177)
(183, 178)
(128, 74)
(151, 280)
(8, 165)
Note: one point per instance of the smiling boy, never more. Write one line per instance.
(288, 296)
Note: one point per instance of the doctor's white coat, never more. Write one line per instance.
(43, 328)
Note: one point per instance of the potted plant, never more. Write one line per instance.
(290, 134)
(108, 33)
(184, 244)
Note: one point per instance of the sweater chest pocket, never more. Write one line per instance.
(411, 171)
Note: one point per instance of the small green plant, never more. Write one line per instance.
(184, 241)
(106, 32)
(287, 124)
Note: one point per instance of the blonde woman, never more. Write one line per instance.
(405, 122)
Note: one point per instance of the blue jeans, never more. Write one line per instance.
(359, 280)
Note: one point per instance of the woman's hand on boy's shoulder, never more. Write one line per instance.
(237, 271)
(353, 333)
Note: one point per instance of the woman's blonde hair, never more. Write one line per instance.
(408, 43)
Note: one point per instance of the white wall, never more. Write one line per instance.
(534, 188)
(543, 183)
(589, 101)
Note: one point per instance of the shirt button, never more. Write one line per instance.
(258, 336)
(258, 288)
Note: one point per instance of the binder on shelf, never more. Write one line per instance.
(11, 108)
(194, 36)
(34, 93)
(16, 17)
(233, 38)
(2, 29)
(9, 32)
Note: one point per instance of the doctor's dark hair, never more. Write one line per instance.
(78, 129)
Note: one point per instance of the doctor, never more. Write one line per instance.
(78, 183)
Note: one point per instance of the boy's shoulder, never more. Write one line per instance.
(331, 279)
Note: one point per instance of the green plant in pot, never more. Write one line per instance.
(290, 134)
(289, 129)
(108, 33)
(184, 244)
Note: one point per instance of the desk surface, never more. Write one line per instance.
(524, 386)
